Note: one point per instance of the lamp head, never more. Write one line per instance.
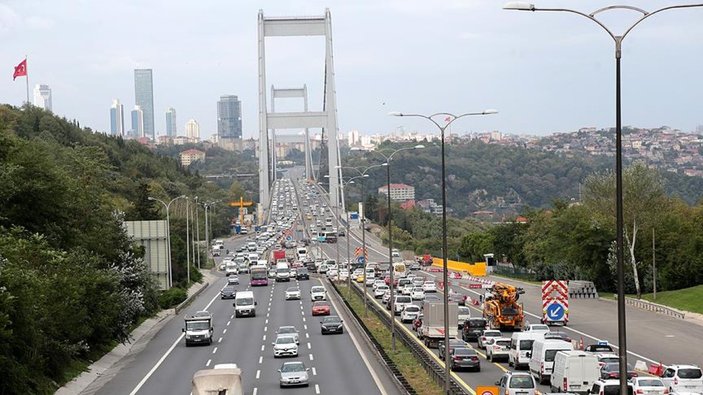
(490, 111)
(150, 198)
(419, 146)
(519, 6)
(395, 114)
(365, 176)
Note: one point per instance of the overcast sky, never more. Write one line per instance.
(544, 72)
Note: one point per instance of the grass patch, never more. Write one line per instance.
(405, 360)
(687, 299)
(526, 278)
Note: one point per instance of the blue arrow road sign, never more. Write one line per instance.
(555, 312)
(360, 259)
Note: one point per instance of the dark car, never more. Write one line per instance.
(464, 358)
(557, 336)
(599, 348)
(473, 327)
(612, 371)
(453, 343)
(331, 324)
(302, 273)
(228, 292)
(341, 233)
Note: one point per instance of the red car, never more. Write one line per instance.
(320, 308)
(388, 281)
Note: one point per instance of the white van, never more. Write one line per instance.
(282, 271)
(520, 346)
(244, 304)
(574, 371)
(251, 246)
(301, 252)
(542, 357)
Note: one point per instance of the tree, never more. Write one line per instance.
(644, 200)
(475, 244)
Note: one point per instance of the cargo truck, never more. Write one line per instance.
(224, 379)
(198, 328)
(432, 329)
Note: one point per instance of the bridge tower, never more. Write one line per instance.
(325, 119)
(287, 93)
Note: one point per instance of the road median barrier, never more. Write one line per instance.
(654, 307)
(190, 298)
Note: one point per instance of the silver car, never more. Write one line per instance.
(294, 374)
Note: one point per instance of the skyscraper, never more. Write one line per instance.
(229, 117)
(137, 122)
(42, 96)
(192, 130)
(144, 98)
(117, 118)
(171, 128)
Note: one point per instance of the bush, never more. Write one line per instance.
(172, 297)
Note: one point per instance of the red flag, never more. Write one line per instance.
(447, 119)
(20, 70)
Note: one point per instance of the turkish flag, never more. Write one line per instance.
(20, 70)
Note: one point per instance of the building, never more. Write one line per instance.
(144, 98)
(229, 117)
(190, 156)
(42, 96)
(171, 128)
(400, 192)
(117, 118)
(192, 130)
(137, 123)
(429, 206)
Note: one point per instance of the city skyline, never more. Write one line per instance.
(144, 98)
(545, 73)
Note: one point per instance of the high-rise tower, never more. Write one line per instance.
(144, 98)
(137, 122)
(171, 128)
(229, 117)
(117, 118)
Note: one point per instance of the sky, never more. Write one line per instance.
(544, 72)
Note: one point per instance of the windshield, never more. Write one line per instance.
(197, 325)
(650, 383)
(689, 373)
(244, 301)
(317, 289)
(504, 343)
(285, 340)
(403, 299)
(287, 329)
(463, 351)
(412, 309)
(328, 320)
(522, 382)
(526, 344)
(292, 367)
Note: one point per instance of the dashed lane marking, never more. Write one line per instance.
(311, 357)
(309, 345)
(214, 350)
(219, 340)
(258, 374)
(262, 347)
(208, 362)
(317, 388)
(314, 371)
(261, 359)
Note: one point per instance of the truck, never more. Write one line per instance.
(279, 254)
(198, 328)
(223, 379)
(501, 309)
(432, 328)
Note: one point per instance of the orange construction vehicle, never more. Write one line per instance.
(501, 309)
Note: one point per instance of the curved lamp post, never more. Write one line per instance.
(448, 120)
(618, 39)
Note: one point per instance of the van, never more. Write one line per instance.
(282, 271)
(251, 246)
(683, 378)
(301, 252)
(520, 345)
(244, 304)
(542, 357)
(574, 371)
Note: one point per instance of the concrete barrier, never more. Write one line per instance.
(474, 269)
(189, 299)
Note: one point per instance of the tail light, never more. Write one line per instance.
(666, 391)
(541, 367)
(634, 374)
(456, 358)
(475, 358)
(566, 384)
(639, 391)
(676, 381)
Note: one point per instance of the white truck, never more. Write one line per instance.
(432, 328)
(223, 379)
(231, 268)
(198, 328)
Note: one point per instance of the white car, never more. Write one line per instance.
(488, 333)
(464, 314)
(285, 346)
(380, 291)
(497, 348)
(407, 289)
(683, 378)
(332, 272)
(343, 275)
(537, 328)
(376, 283)
(649, 386)
(233, 279)
(293, 293)
(429, 286)
(417, 281)
(417, 293)
(409, 313)
(370, 281)
(318, 293)
(288, 331)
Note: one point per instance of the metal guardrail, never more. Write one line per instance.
(654, 307)
(434, 369)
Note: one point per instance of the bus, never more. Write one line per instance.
(399, 270)
(259, 276)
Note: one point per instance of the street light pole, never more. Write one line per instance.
(445, 252)
(619, 227)
(168, 235)
(188, 239)
(197, 229)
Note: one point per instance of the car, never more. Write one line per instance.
(536, 328)
(414, 266)
(486, 334)
(387, 280)
(302, 273)
(607, 358)
(221, 266)
(473, 327)
(612, 371)
(341, 233)
(683, 378)
(497, 348)
(406, 289)
(294, 374)
(293, 293)
(464, 313)
(289, 330)
(369, 281)
(320, 307)
(233, 279)
(464, 358)
(609, 387)
(599, 348)
(228, 292)
(409, 313)
(399, 303)
(386, 297)
(318, 292)
(649, 386)
(429, 286)
(343, 275)
(377, 283)
(517, 383)
(418, 281)
(453, 343)
(417, 293)
(285, 346)
(322, 269)
(331, 324)
(380, 290)
(360, 278)
(557, 335)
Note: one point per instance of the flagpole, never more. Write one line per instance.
(26, 77)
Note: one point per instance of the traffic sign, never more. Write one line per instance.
(555, 311)
(289, 237)
(475, 285)
(360, 259)
(487, 390)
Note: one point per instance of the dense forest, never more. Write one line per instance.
(71, 282)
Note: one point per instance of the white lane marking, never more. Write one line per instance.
(264, 339)
(266, 322)
(261, 358)
(311, 357)
(302, 312)
(306, 335)
(267, 315)
(224, 331)
(208, 362)
(303, 319)
(163, 357)
(314, 371)
(305, 326)
(231, 317)
(308, 345)
(228, 322)
(262, 347)
(254, 393)
(258, 374)
(214, 350)
(219, 340)
(266, 327)
(317, 388)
